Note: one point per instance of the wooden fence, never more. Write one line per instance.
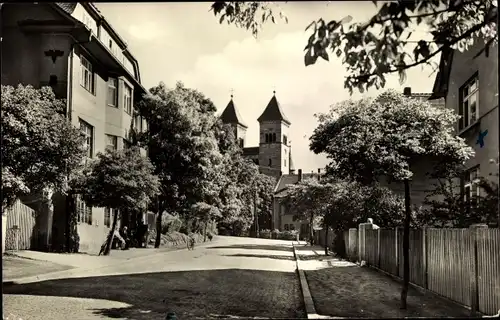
(21, 221)
(460, 264)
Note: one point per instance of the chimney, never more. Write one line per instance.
(300, 175)
(407, 91)
(319, 174)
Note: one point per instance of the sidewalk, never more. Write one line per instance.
(344, 289)
(62, 264)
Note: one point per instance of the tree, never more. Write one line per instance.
(206, 213)
(182, 147)
(40, 148)
(122, 180)
(385, 137)
(382, 45)
(308, 200)
(265, 189)
(446, 207)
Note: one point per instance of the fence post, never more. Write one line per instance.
(396, 246)
(424, 257)
(474, 288)
(378, 248)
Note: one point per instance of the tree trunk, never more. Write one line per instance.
(406, 246)
(205, 231)
(326, 241)
(111, 235)
(158, 229)
(311, 232)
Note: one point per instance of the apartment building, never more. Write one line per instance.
(73, 48)
(468, 81)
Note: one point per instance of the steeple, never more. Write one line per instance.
(273, 112)
(230, 115)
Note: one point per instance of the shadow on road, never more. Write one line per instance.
(283, 247)
(260, 256)
(190, 294)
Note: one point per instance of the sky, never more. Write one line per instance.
(183, 41)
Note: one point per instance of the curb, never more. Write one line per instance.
(71, 271)
(306, 293)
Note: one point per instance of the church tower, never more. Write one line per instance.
(231, 116)
(274, 146)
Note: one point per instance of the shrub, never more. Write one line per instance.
(170, 223)
(266, 234)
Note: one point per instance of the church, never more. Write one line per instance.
(273, 156)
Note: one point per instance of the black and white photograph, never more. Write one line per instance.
(250, 160)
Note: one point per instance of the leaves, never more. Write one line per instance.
(371, 138)
(40, 147)
(119, 179)
(373, 48)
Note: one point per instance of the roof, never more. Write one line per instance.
(273, 112)
(231, 114)
(440, 88)
(68, 7)
(250, 151)
(288, 179)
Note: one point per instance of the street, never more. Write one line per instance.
(234, 277)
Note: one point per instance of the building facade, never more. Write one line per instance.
(72, 48)
(468, 81)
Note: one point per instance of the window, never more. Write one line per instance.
(108, 216)
(111, 142)
(127, 99)
(285, 140)
(241, 142)
(270, 137)
(469, 103)
(471, 187)
(270, 162)
(83, 211)
(88, 132)
(284, 162)
(112, 92)
(87, 80)
(138, 124)
(110, 44)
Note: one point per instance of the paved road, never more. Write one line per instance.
(235, 277)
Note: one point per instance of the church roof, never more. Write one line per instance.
(288, 179)
(273, 112)
(250, 151)
(231, 114)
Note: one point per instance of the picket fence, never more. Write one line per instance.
(460, 264)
